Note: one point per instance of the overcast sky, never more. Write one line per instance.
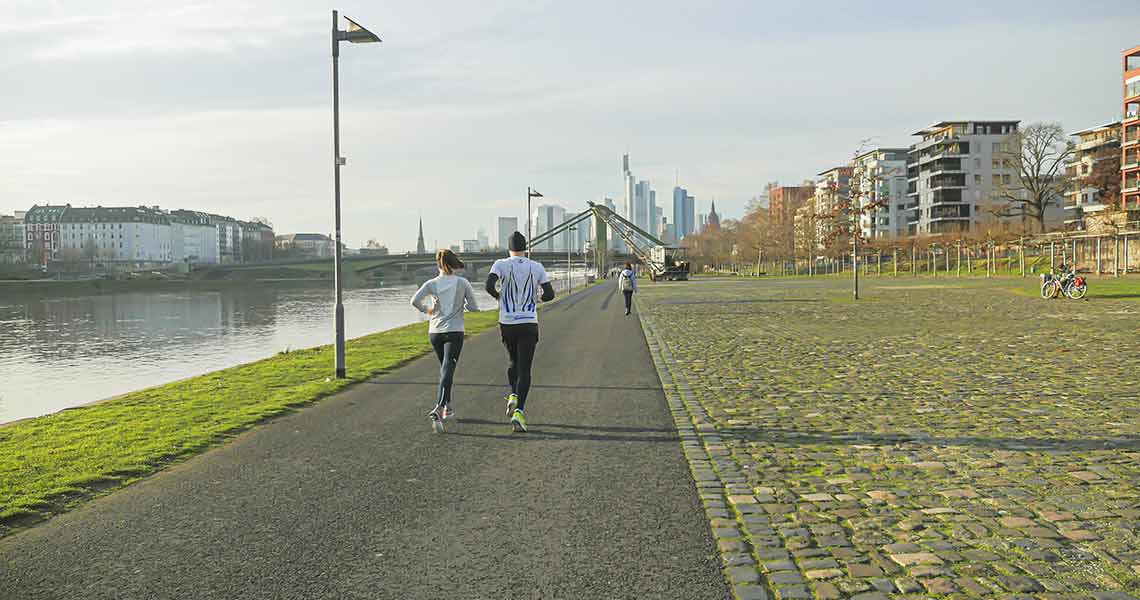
(226, 106)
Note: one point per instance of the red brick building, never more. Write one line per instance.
(1130, 140)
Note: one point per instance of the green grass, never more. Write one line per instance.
(52, 463)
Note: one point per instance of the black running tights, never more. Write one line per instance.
(520, 341)
(447, 348)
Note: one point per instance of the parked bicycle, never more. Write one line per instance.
(1069, 283)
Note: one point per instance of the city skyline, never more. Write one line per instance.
(175, 126)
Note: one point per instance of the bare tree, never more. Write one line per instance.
(1038, 153)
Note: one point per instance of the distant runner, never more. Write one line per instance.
(627, 283)
(450, 294)
(519, 279)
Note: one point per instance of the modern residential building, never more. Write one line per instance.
(504, 227)
(469, 246)
(879, 179)
(642, 207)
(484, 241)
(547, 217)
(1130, 141)
(684, 214)
(1097, 149)
(308, 245)
(12, 243)
(832, 188)
(954, 176)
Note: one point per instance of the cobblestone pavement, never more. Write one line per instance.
(935, 439)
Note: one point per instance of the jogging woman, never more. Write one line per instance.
(627, 283)
(449, 294)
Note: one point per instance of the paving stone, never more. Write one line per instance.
(864, 570)
(785, 578)
(1016, 583)
(939, 585)
(916, 558)
(750, 592)
(795, 592)
(827, 591)
(743, 575)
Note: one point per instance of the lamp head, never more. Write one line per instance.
(357, 34)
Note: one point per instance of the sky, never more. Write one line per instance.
(227, 106)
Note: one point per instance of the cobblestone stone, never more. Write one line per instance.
(936, 437)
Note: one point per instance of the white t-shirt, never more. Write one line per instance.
(520, 281)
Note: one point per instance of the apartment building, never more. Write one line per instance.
(879, 180)
(1130, 142)
(310, 245)
(954, 174)
(832, 190)
(12, 249)
(132, 236)
(1096, 149)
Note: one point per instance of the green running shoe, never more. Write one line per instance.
(518, 422)
(512, 402)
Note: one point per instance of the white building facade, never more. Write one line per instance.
(879, 179)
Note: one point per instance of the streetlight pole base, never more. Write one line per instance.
(340, 374)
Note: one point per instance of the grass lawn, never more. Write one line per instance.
(52, 463)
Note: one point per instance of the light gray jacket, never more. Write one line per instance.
(451, 294)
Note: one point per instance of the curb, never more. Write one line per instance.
(734, 515)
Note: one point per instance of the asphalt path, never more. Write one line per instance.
(356, 498)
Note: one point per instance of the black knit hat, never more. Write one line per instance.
(517, 242)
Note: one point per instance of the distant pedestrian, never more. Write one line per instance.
(519, 280)
(627, 283)
(450, 294)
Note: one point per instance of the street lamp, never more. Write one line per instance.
(356, 35)
(529, 194)
(570, 239)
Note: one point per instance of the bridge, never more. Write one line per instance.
(599, 255)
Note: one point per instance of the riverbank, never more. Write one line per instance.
(51, 464)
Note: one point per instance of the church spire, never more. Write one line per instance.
(420, 249)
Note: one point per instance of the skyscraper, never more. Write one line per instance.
(504, 227)
(684, 213)
(547, 217)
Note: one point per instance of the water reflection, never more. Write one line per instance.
(58, 351)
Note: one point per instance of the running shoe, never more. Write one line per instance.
(512, 402)
(518, 423)
(447, 413)
(436, 420)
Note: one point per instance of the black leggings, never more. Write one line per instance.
(628, 299)
(520, 341)
(447, 348)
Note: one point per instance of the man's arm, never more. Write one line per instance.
(547, 292)
(490, 287)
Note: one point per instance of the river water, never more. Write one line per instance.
(59, 350)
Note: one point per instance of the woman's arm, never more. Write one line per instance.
(469, 296)
(421, 294)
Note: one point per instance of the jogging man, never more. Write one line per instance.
(519, 280)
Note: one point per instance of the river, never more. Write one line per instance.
(59, 350)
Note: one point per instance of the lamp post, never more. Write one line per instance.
(356, 35)
(529, 194)
(570, 239)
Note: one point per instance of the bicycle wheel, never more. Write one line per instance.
(1049, 289)
(1076, 292)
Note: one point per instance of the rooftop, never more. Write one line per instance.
(1114, 124)
(944, 124)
